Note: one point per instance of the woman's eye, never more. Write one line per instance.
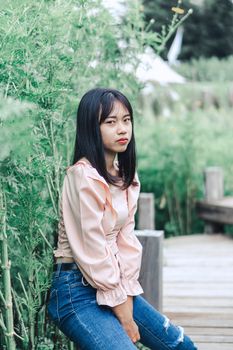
(110, 121)
(127, 120)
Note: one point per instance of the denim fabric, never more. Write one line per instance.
(73, 308)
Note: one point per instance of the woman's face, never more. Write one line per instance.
(116, 129)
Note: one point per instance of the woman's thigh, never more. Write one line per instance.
(73, 308)
(156, 331)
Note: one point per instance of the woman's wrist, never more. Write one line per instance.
(130, 303)
(123, 313)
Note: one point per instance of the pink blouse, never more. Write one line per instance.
(96, 228)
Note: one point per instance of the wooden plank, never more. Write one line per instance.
(225, 202)
(213, 339)
(200, 301)
(201, 319)
(207, 331)
(201, 241)
(215, 212)
(198, 288)
(201, 260)
(176, 292)
(201, 274)
(211, 310)
(192, 322)
(212, 346)
(200, 285)
(196, 315)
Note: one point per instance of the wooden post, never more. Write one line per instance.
(146, 211)
(213, 183)
(214, 190)
(151, 277)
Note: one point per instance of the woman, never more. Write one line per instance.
(95, 294)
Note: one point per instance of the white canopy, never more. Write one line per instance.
(154, 69)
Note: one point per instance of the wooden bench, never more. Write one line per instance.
(215, 209)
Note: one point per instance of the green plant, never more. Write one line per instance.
(207, 70)
(174, 148)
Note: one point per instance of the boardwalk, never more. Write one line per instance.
(198, 288)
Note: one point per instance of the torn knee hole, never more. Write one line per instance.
(180, 338)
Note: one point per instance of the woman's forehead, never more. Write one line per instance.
(118, 108)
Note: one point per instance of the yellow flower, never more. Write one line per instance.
(178, 10)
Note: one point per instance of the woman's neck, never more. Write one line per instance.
(111, 168)
(110, 164)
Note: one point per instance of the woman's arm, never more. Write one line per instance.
(124, 313)
(130, 303)
(130, 249)
(83, 205)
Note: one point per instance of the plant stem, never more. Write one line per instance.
(9, 334)
(172, 29)
(17, 306)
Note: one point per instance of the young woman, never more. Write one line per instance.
(95, 294)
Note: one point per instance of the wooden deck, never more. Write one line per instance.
(198, 288)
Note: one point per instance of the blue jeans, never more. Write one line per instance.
(73, 308)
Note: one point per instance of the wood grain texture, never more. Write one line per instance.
(198, 288)
(146, 211)
(216, 211)
(152, 266)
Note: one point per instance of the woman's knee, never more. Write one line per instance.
(156, 330)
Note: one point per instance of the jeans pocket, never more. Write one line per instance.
(82, 293)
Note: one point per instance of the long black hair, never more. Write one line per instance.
(94, 107)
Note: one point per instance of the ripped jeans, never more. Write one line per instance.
(73, 308)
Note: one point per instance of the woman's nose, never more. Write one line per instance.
(121, 128)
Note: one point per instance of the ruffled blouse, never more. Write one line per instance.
(96, 229)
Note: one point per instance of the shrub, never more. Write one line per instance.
(173, 152)
(207, 70)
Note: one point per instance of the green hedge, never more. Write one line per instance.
(207, 69)
(175, 147)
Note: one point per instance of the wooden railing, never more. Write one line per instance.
(215, 209)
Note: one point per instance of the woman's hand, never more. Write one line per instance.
(124, 313)
(131, 329)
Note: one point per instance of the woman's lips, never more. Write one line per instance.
(122, 141)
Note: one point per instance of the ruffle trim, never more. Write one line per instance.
(112, 297)
(132, 287)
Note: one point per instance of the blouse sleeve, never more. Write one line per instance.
(83, 201)
(130, 253)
